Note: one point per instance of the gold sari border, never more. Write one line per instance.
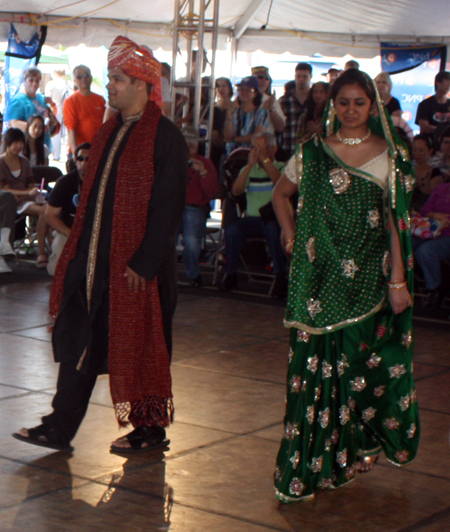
(331, 328)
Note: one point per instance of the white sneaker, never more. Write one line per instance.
(6, 249)
(4, 268)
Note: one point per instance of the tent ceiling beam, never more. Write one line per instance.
(247, 17)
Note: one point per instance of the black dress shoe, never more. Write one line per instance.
(433, 300)
(229, 282)
(197, 282)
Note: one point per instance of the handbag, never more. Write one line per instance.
(424, 227)
(54, 126)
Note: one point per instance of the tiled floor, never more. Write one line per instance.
(228, 369)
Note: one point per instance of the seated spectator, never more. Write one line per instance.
(277, 120)
(429, 253)
(35, 150)
(442, 159)
(384, 86)
(62, 204)
(16, 177)
(202, 187)
(427, 177)
(29, 102)
(247, 118)
(311, 119)
(257, 179)
(8, 206)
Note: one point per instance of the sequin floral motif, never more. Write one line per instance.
(303, 336)
(310, 414)
(339, 179)
(316, 464)
(327, 370)
(324, 418)
(411, 431)
(351, 403)
(385, 264)
(295, 460)
(296, 487)
(413, 395)
(344, 414)
(277, 473)
(402, 456)
(291, 431)
(290, 355)
(313, 364)
(358, 384)
(397, 371)
(311, 249)
(313, 307)
(407, 339)
(349, 267)
(368, 413)
(373, 361)
(391, 423)
(325, 483)
(379, 391)
(295, 383)
(342, 364)
(373, 218)
(403, 403)
(341, 458)
(317, 393)
(350, 473)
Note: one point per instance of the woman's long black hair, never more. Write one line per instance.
(39, 142)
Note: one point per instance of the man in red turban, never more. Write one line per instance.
(114, 290)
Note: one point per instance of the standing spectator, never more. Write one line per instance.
(62, 204)
(84, 110)
(203, 186)
(166, 90)
(351, 64)
(257, 179)
(35, 150)
(435, 110)
(58, 90)
(293, 105)
(332, 74)
(114, 291)
(311, 119)
(384, 85)
(277, 120)
(247, 118)
(29, 102)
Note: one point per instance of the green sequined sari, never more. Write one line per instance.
(350, 388)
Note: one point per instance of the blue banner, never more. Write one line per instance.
(397, 58)
(19, 56)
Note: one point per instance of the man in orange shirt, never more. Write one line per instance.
(83, 111)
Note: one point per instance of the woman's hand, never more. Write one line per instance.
(400, 300)
(198, 165)
(33, 192)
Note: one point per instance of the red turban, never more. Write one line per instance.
(137, 62)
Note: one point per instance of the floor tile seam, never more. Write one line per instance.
(424, 409)
(30, 390)
(37, 496)
(437, 374)
(31, 338)
(426, 521)
(228, 374)
(409, 469)
(263, 339)
(15, 396)
(14, 331)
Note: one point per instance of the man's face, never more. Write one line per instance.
(302, 79)
(121, 91)
(443, 86)
(31, 85)
(83, 78)
(261, 144)
(81, 161)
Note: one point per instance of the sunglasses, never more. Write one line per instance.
(262, 76)
(80, 158)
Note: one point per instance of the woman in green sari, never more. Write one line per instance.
(350, 391)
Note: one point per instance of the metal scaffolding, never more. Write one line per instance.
(196, 26)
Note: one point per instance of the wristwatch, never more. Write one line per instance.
(267, 160)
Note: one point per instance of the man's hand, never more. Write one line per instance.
(253, 157)
(135, 282)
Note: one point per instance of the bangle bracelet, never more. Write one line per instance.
(289, 245)
(397, 286)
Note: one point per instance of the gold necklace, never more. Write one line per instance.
(350, 141)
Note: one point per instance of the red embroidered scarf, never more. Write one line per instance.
(139, 362)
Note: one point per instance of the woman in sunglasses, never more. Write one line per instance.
(277, 120)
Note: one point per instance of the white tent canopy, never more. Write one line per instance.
(305, 27)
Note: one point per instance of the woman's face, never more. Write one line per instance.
(353, 106)
(246, 94)
(421, 151)
(223, 89)
(16, 147)
(36, 128)
(382, 86)
(319, 94)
